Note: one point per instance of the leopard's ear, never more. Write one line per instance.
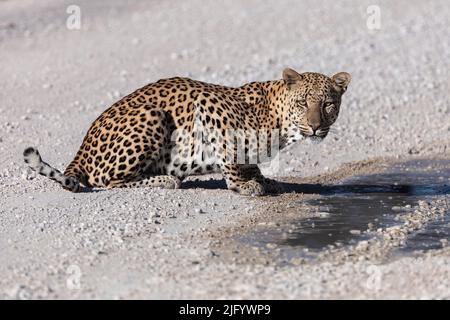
(291, 77)
(341, 81)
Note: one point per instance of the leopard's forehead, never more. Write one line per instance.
(316, 86)
(316, 81)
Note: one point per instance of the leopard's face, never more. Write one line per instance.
(314, 101)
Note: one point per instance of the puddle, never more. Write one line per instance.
(347, 209)
(429, 238)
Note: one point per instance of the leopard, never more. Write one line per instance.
(177, 127)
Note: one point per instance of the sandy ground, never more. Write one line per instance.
(177, 244)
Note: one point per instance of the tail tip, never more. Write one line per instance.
(30, 154)
(28, 151)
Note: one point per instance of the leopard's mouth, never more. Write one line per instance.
(312, 138)
(318, 134)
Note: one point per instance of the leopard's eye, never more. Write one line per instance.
(329, 107)
(301, 103)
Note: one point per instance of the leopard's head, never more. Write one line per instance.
(314, 100)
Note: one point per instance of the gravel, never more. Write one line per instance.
(151, 243)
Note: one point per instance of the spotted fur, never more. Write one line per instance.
(148, 138)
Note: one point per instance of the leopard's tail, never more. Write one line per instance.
(33, 159)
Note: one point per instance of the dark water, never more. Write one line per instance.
(355, 203)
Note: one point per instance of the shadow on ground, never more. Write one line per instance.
(350, 188)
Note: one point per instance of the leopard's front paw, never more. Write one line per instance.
(251, 188)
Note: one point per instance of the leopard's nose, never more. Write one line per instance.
(314, 126)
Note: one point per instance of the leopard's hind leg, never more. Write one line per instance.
(139, 163)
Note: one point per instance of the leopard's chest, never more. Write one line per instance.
(290, 135)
